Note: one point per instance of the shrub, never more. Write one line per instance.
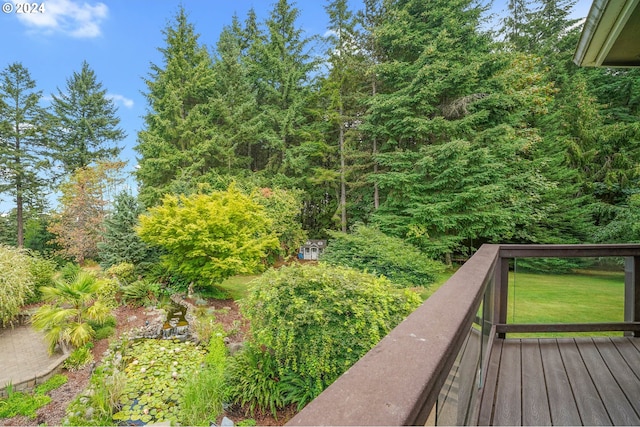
(108, 289)
(315, 322)
(209, 238)
(254, 381)
(369, 249)
(16, 282)
(79, 358)
(124, 273)
(104, 332)
(69, 271)
(140, 293)
(42, 271)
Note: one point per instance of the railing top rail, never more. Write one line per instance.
(401, 376)
(569, 251)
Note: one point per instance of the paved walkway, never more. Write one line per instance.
(24, 360)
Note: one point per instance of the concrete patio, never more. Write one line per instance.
(24, 359)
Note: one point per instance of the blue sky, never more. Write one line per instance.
(120, 39)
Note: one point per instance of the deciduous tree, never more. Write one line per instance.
(78, 225)
(209, 237)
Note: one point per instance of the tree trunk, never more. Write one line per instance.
(343, 185)
(376, 193)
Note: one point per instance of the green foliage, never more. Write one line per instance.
(107, 291)
(208, 238)
(282, 207)
(78, 359)
(254, 380)
(178, 141)
(368, 249)
(51, 384)
(123, 272)
(18, 403)
(140, 293)
(72, 305)
(23, 127)
(43, 271)
(104, 393)
(104, 332)
(17, 282)
(120, 244)
(315, 322)
(69, 271)
(204, 391)
(85, 122)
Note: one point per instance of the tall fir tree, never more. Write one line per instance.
(86, 122)
(24, 146)
(178, 141)
(234, 100)
(344, 88)
(282, 67)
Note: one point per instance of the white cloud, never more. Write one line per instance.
(121, 99)
(80, 20)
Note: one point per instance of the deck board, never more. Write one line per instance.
(613, 398)
(624, 376)
(507, 409)
(581, 381)
(562, 404)
(535, 405)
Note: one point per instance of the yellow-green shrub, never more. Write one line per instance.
(316, 321)
(16, 282)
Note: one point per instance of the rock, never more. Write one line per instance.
(132, 318)
(235, 347)
(88, 413)
(226, 422)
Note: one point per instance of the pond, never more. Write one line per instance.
(156, 374)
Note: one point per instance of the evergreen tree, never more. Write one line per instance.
(23, 142)
(281, 66)
(86, 122)
(344, 89)
(178, 140)
(234, 100)
(120, 243)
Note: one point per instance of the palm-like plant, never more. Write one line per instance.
(72, 305)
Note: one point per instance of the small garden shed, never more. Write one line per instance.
(312, 249)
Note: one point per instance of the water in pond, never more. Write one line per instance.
(176, 325)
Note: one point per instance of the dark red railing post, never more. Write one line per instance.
(501, 293)
(632, 291)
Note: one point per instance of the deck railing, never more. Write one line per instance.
(430, 368)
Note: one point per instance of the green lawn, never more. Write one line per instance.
(583, 297)
(237, 286)
(590, 296)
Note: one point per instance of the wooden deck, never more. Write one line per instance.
(581, 381)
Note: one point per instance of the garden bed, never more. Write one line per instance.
(129, 318)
